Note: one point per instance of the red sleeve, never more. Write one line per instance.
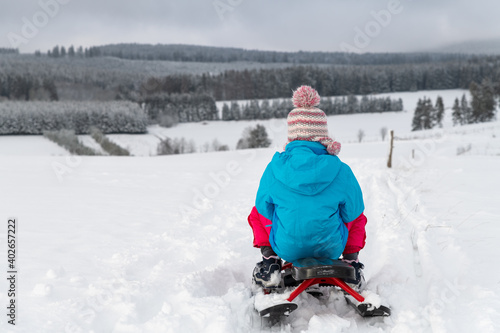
(357, 234)
(261, 228)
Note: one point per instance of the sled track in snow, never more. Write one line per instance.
(401, 243)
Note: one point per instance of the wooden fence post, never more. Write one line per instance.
(389, 162)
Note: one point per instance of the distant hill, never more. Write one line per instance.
(491, 46)
(136, 71)
(197, 53)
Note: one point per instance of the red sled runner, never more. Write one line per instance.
(310, 272)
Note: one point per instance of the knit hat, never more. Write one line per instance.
(308, 123)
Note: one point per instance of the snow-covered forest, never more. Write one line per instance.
(106, 77)
(37, 117)
(190, 91)
(197, 53)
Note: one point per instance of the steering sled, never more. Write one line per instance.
(275, 302)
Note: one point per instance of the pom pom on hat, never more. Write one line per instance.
(308, 123)
(305, 97)
(333, 147)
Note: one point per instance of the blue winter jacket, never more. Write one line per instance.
(308, 195)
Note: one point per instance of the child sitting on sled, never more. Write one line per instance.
(309, 203)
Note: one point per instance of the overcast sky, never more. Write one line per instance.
(283, 25)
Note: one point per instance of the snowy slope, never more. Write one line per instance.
(161, 244)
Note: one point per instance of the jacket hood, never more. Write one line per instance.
(305, 167)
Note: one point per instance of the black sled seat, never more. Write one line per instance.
(311, 268)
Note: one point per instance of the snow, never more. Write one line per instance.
(16, 145)
(262, 302)
(161, 243)
(343, 128)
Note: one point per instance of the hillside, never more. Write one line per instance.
(490, 47)
(133, 244)
(198, 53)
(105, 76)
(161, 244)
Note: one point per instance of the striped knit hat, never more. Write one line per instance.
(308, 123)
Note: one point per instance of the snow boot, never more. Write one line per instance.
(267, 273)
(359, 283)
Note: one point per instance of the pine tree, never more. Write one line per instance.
(276, 110)
(235, 111)
(55, 52)
(439, 113)
(428, 114)
(418, 116)
(251, 111)
(352, 104)
(71, 51)
(456, 115)
(475, 103)
(258, 137)
(466, 111)
(483, 102)
(424, 115)
(488, 101)
(254, 138)
(265, 110)
(226, 113)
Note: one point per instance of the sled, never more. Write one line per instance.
(318, 272)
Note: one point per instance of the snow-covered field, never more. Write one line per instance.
(344, 128)
(161, 244)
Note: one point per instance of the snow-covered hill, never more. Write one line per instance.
(161, 244)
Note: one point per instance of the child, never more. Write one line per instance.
(309, 203)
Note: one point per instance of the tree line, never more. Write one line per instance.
(5, 50)
(71, 52)
(169, 109)
(428, 115)
(80, 117)
(197, 53)
(253, 110)
(21, 76)
(27, 88)
(329, 81)
(482, 108)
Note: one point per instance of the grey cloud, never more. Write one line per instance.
(321, 25)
